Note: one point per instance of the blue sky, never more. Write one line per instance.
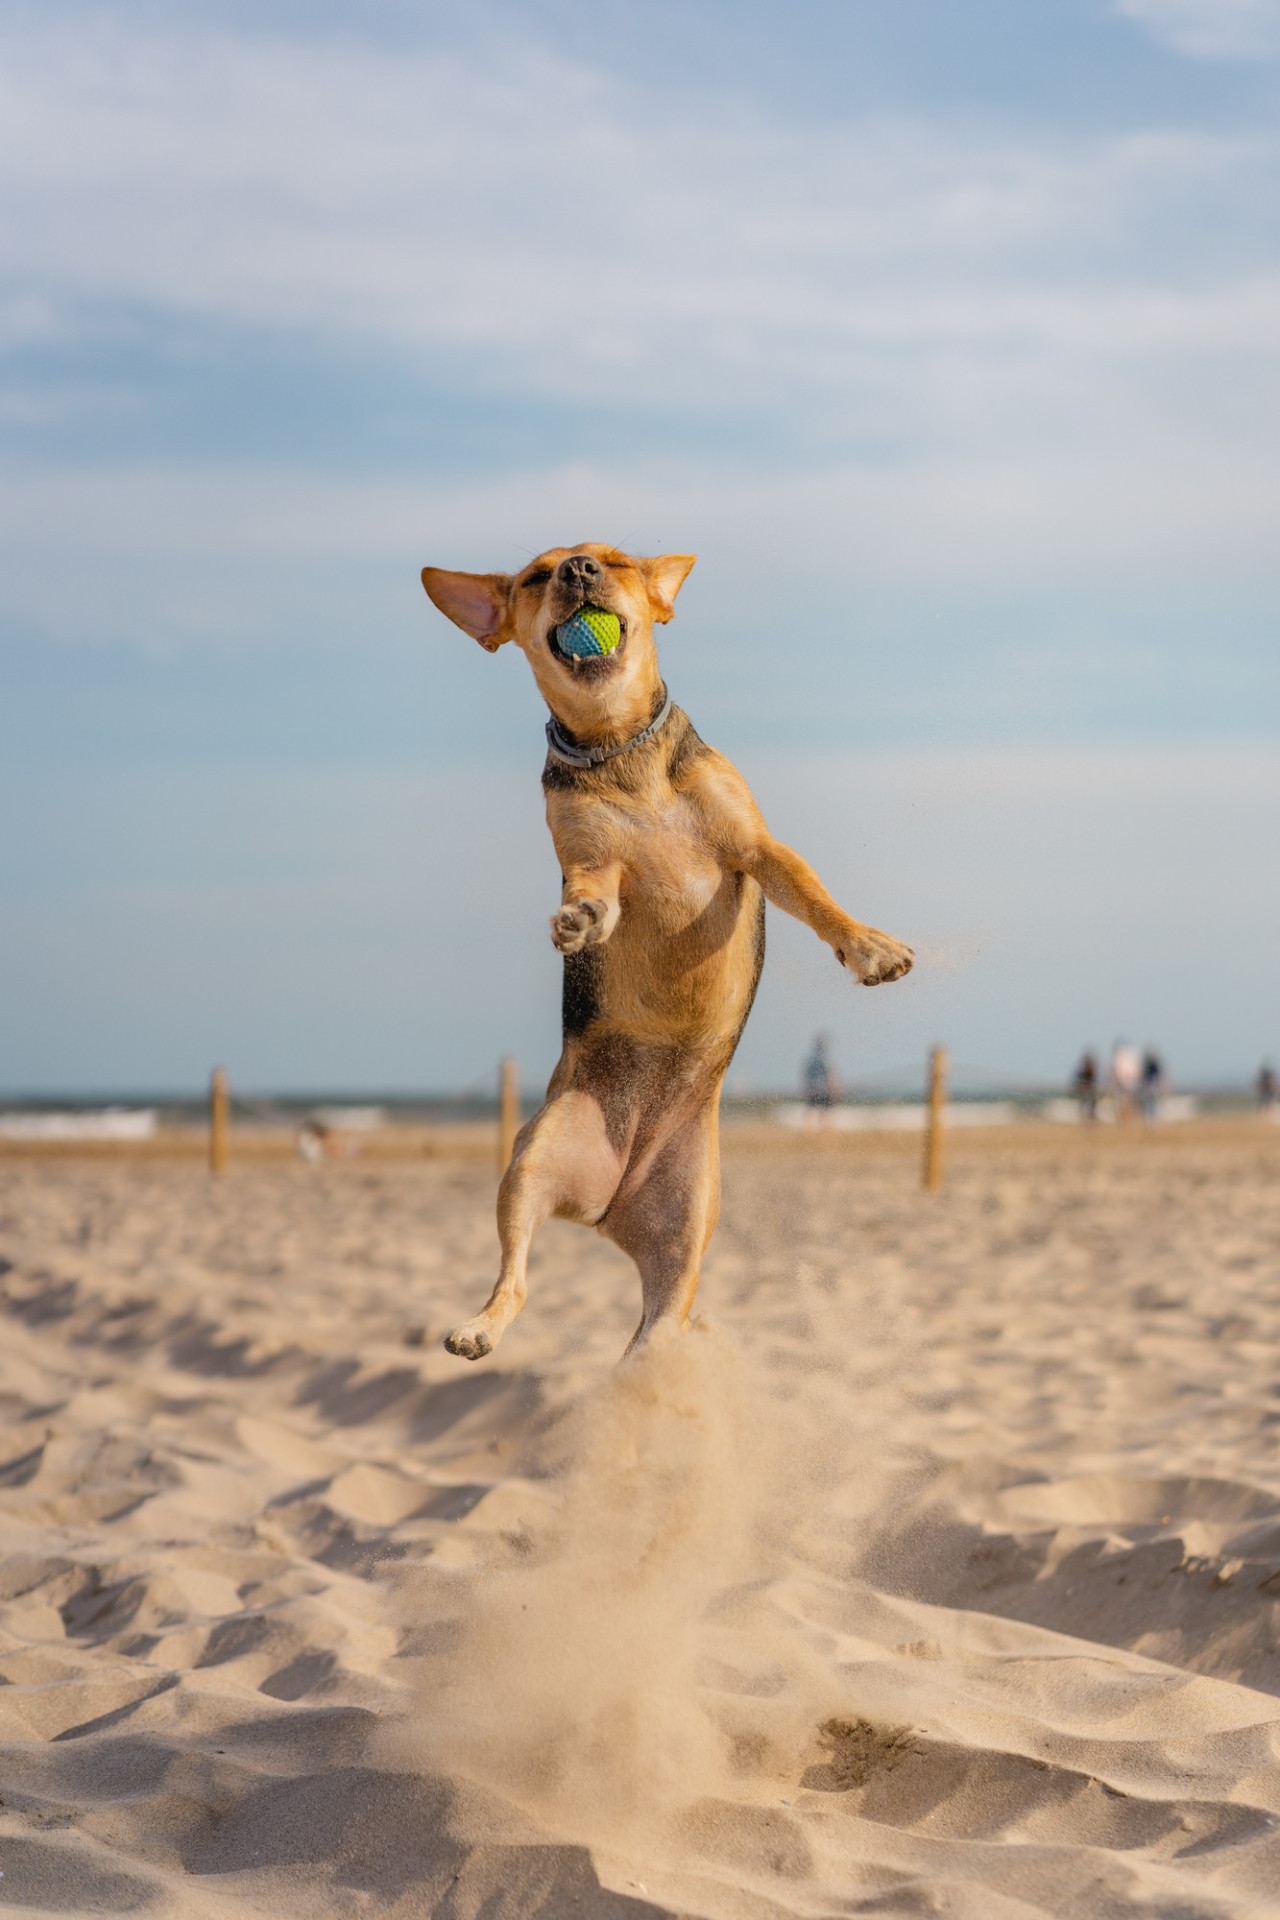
(949, 337)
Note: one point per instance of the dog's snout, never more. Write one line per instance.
(580, 567)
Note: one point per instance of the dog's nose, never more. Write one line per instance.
(578, 566)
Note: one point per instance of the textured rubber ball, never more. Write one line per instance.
(592, 630)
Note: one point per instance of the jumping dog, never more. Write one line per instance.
(667, 864)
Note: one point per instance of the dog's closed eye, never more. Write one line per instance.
(538, 578)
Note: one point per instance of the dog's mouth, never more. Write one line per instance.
(588, 666)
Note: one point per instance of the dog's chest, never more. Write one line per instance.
(672, 872)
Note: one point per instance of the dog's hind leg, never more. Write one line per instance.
(664, 1216)
(563, 1164)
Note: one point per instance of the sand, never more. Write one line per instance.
(936, 1572)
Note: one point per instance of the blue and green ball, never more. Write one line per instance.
(591, 632)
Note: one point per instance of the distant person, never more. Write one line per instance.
(821, 1088)
(1084, 1087)
(1151, 1085)
(1124, 1077)
(1267, 1089)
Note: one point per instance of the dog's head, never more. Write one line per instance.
(610, 693)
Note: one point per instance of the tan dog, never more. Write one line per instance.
(667, 865)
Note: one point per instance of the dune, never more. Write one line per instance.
(935, 1571)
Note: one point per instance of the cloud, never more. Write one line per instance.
(1211, 29)
(553, 231)
(1002, 349)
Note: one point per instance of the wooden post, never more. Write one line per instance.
(934, 1119)
(509, 1111)
(219, 1105)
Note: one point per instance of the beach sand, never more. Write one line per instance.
(937, 1571)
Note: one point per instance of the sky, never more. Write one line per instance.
(948, 337)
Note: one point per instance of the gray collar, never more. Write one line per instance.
(561, 748)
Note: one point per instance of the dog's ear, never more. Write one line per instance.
(479, 603)
(664, 578)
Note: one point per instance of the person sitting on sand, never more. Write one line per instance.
(317, 1142)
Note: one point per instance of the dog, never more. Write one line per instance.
(666, 864)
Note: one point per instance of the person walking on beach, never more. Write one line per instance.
(1267, 1090)
(1124, 1076)
(1151, 1085)
(821, 1087)
(1084, 1087)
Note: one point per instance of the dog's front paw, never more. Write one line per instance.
(580, 924)
(874, 957)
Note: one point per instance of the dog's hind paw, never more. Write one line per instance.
(580, 923)
(874, 957)
(470, 1342)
